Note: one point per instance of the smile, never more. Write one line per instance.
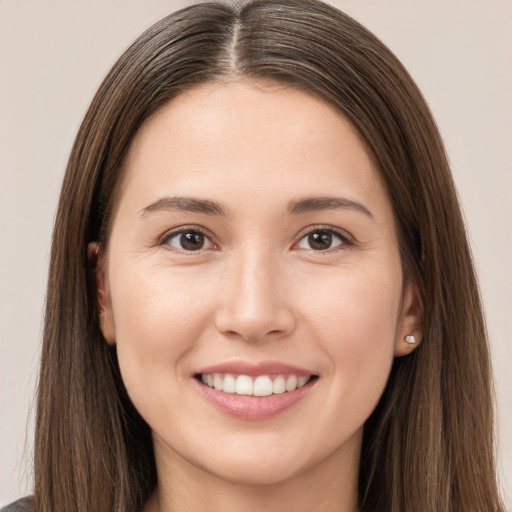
(261, 385)
(254, 390)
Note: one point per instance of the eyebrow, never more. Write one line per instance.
(185, 204)
(313, 204)
(295, 207)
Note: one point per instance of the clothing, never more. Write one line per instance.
(22, 505)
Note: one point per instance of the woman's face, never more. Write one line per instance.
(253, 247)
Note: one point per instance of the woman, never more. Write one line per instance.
(261, 294)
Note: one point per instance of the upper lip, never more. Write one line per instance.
(254, 369)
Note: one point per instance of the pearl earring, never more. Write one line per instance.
(410, 339)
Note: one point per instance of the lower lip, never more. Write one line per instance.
(254, 407)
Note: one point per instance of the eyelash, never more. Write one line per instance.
(346, 240)
(163, 240)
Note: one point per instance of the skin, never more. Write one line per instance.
(256, 291)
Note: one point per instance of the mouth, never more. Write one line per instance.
(254, 385)
(254, 391)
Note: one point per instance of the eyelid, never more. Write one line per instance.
(347, 239)
(162, 240)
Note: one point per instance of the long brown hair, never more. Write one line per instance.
(428, 446)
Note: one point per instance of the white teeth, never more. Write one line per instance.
(301, 381)
(278, 386)
(243, 385)
(229, 384)
(218, 382)
(291, 383)
(263, 385)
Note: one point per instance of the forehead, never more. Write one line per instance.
(250, 115)
(249, 138)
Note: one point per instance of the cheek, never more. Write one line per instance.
(158, 316)
(354, 318)
(355, 305)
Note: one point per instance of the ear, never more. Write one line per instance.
(103, 304)
(410, 322)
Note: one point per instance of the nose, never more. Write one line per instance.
(255, 306)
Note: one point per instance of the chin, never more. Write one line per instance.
(265, 472)
(262, 463)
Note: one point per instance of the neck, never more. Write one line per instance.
(327, 486)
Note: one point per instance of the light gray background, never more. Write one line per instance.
(53, 55)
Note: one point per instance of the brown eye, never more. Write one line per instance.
(192, 241)
(321, 240)
(188, 241)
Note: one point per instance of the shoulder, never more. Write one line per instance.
(23, 505)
